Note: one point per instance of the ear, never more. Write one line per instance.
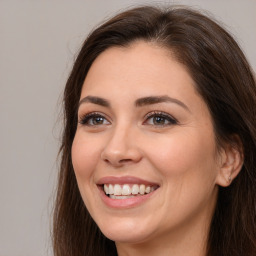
(231, 162)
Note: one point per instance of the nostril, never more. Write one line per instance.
(117, 162)
(125, 160)
(118, 158)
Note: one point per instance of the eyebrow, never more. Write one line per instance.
(159, 99)
(94, 100)
(150, 100)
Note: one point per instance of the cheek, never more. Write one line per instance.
(187, 165)
(85, 156)
(184, 154)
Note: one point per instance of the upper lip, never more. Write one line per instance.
(124, 180)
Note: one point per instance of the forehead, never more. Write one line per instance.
(135, 70)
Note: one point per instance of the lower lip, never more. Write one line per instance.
(125, 203)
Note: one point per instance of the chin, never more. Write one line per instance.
(126, 232)
(124, 237)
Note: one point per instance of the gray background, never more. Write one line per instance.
(38, 42)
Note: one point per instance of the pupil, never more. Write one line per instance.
(159, 120)
(98, 120)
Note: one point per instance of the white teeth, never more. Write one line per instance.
(106, 189)
(120, 197)
(117, 190)
(135, 189)
(142, 189)
(110, 189)
(125, 191)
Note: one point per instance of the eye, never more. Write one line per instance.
(160, 119)
(94, 119)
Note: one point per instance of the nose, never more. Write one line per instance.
(121, 148)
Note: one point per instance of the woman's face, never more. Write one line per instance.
(146, 135)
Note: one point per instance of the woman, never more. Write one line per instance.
(159, 144)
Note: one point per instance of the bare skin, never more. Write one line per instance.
(141, 117)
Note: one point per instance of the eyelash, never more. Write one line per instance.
(87, 118)
(166, 117)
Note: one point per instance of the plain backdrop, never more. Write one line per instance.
(38, 43)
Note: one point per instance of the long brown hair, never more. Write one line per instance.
(223, 78)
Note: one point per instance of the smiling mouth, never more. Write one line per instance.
(125, 191)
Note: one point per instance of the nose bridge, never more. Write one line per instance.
(121, 146)
(118, 138)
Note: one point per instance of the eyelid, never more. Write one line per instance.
(162, 114)
(85, 117)
(88, 115)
